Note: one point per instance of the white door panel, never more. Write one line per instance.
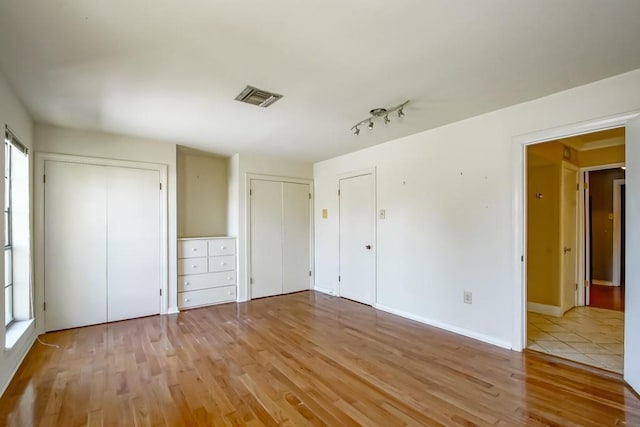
(296, 240)
(266, 238)
(133, 243)
(632, 255)
(75, 245)
(357, 228)
(569, 237)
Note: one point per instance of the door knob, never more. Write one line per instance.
(368, 247)
(567, 249)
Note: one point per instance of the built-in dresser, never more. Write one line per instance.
(206, 271)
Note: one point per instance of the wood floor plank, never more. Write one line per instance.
(299, 359)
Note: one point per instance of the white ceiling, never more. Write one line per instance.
(170, 69)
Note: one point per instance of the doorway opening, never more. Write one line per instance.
(575, 250)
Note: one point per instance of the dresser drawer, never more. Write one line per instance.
(222, 263)
(206, 296)
(209, 280)
(192, 266)
(219, 247)
(192, 248)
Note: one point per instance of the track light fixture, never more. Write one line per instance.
(379, 112)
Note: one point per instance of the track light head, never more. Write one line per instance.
(386, 119)
(400, 113)
(370, 125)
(356, 130)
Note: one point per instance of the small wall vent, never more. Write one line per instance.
(259, 97)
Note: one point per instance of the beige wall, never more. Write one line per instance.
(543, 227)
(202, 194)
(601, 194)
(602, 156)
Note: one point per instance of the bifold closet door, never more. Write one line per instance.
(295, 236)
(102, 244)
(266, 238)
(75, 245)
(280, 237)
(133, 243)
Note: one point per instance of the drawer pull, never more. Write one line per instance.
(223, 263)
(186, 300)
(194, 266)
(229, 278)
(230, 293)
(223, 247)
(186, 283)
(194, 249)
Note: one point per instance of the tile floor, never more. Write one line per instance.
(593, 336)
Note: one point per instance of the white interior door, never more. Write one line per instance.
(133, 243)
(75, 218)
(357, 231)
(632, 255)
(266, 238)
(569, 272)
(295, 236)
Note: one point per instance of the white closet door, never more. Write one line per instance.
(266, 238)
(133, 243)
(295, 233)
(75, 245)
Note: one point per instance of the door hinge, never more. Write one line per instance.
(44, 179)
(309, 273)
(586, 185)
(586, 283)
(251, 192)
(44, 306)
(251, 281)
(338, 278)
(338, 192)
(160, 186)
(521, 258)
(309, 196)
(577, 187)
(160, 292)
(576, 286)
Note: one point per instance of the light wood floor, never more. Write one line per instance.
(304, 358)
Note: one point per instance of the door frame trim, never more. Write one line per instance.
(353, 174)
(38, 221)
(617, 236)
(519, 146)
(247, 226)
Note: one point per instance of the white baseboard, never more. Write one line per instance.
(455, 329)
(549, 310)
(603, 283)
(325, 291)
(173, 310)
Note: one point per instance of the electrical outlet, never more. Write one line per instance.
(467, 297)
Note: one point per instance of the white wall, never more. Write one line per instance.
(13, 113)
(240, 165)
(53, 139)
(451, 205)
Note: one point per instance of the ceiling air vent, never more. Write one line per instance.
(259, 97)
